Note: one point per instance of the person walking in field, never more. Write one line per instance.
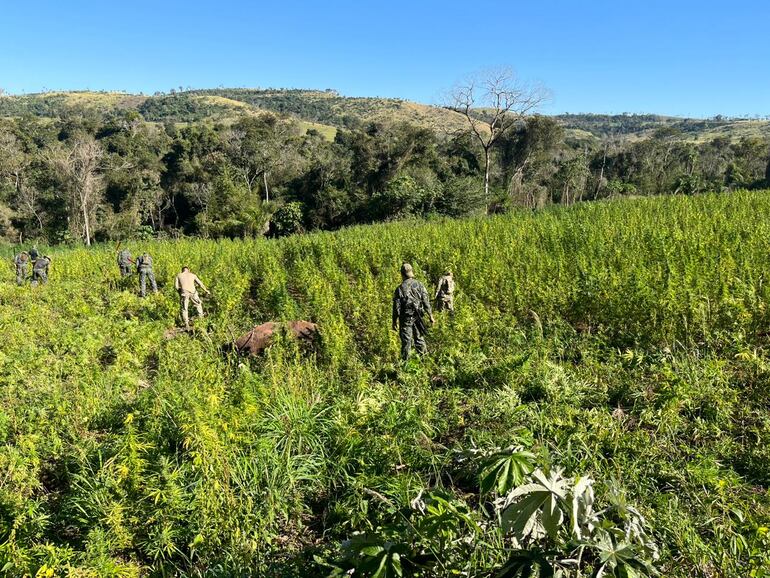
(410, 303)
(144, 267)
(124, 262)
(185, 283)
(21, 261)
(40, 271)
(445, 298)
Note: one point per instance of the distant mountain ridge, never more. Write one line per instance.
(327, 111)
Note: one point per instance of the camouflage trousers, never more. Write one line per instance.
(185, 297)
(445, 303)
(143, 276)
(410, 334)
(21, 274)
(39, 276)
(125, 270)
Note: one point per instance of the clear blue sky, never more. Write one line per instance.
(679, 57)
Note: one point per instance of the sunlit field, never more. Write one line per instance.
(622, 341)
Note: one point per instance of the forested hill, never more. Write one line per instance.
(243, 162)
(327, 110)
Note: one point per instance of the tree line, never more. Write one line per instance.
(97, 177)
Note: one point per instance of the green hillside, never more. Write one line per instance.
(638, 126)
(621, 340)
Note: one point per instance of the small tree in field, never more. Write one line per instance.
(492, 102)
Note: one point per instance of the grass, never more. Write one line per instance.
(627, 338)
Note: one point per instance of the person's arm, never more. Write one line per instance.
(396, 309)
(438, 287)
(426, 302)
(176, 282)
(200, 283)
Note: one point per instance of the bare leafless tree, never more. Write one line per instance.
(79, 168)
(28, 201)
(492, 102)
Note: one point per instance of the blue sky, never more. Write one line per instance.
(679, 57)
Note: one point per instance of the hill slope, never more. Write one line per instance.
(626, 337)
(328, 111)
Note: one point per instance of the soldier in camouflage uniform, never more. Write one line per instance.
(21, 261)
(144, 267)
(40, 271)
(410, 303)
(124, 262)
(445, 298)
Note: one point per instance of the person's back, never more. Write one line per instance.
(410, 303)
(410, 298)
(40, 270)
(124, 262)
(144, 266)
(185, 282)
(33, 254)
(21, 261)
(41, 264)
(445, 292)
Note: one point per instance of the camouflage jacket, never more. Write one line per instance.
(21, 260)
(410, 300)
(446, 287)
(144, 263)
(42, 264)
(124, 258)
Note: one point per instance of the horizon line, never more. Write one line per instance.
(185, 90)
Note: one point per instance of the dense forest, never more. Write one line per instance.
(235, 163)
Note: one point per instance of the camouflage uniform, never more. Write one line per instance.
(40, 271)
(185, 283)
(124, 262)
(144, 266)
(410, 302)
(445, 298)
(21, 261)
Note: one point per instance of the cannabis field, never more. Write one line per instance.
(599, 404)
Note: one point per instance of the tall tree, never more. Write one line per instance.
(79, 169)
(767, 173)
(528, 158)
(12, 159)
(259, 146)
(492, 102)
